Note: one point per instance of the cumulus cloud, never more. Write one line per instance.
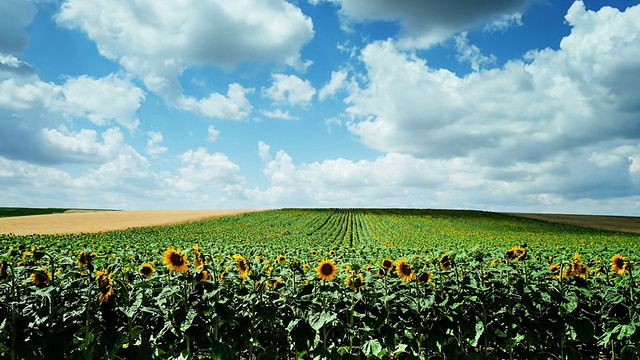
(336, 83)
(11, 66)
(290, 89)
(16, 15)
(158, 40)
(154, 147)
(36, 117)
(213, 134)
(425, 23)
(278, 114)
(234, 106)
(553, 100)
(471, 53)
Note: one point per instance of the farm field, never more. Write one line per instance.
(324, 283)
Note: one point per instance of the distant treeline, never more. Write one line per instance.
(9, 211)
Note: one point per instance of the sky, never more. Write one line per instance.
(497, 105)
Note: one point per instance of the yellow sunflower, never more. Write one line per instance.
(333, 253)
(242, 266)
(314, 253)
(198, 258)
(355, 282)
(203, 275)
(41, 277)
(278, 284)
(146, 270)
(105, 285)
(84, 259)
(619, 264)
(404, 270)
(446, 263)
(555, 270)
(515, 253)
(327, 270)
(425, 278)
(387, 264)
(381, 272)
(280, 259)
(175, 260)
(4, 275)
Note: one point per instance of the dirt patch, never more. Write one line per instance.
(97, 221)
(606, 222)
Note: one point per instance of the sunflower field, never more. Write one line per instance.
(324, 283)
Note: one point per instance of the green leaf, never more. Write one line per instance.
(318, 321)
(132, 309)
(372, 347)
(479, 331)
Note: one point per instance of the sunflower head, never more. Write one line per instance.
(4, 274)
(387, 264)
(404, 270)
(327, 270)
(84, 259)
(515, 253)
(146, 270)
(619, 264)
(381, 272)
(280, 259)
(105, 285)
(242, 266)
(333, 253)
(175, 260)
(278, 284)
(425, 278)
(314, 253)
(355, 282)
(295, 266)
(198, 258)
(555, 270)
(203, 276)
(446, 262)
(41, 277)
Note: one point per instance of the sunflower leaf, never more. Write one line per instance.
(318, 321)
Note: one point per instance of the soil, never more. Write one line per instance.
(98, 221)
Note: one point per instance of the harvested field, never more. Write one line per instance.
(606, 222)
(96, 221)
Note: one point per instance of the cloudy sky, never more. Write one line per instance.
(509, 105)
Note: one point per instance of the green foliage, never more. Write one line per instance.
(498, 297)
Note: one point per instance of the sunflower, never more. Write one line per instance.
(295, 266)
(175, 260)
(425, 278)
(355, 282)
(327, 270)
(446, 262)
(280, 259)
(619, 264)
(555, 270)
(41, 277)
(146, 270)
(4, 275)
(314, 253)
(242, 266)
(84, 259)
(203, 275)
(278, 284)
(387, 264)
(515, 253)
(105, 285)
(333, 253)
(404, 270)
(381, 272)
(198, 258)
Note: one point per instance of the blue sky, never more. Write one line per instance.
(519, 105)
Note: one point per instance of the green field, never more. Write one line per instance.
(324, 283)
(9, 211)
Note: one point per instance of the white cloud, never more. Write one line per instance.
(158, 40)
(425, 23)
(551, 101)
(504, 22)
(213, 134)
(153, 143)
(337, 82)
(234, 106)
(471, 53)
(289, 89)
(16, 15)
(29, 105)
(278, 114)
(11, 66)
(103, 100)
